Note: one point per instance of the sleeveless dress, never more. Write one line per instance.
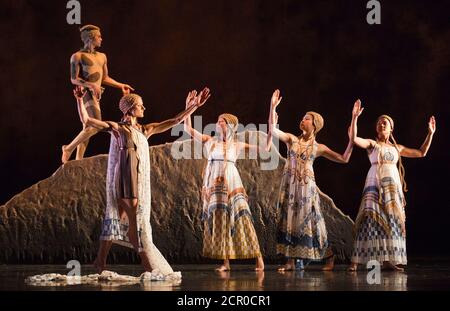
(228, 224)
(123, 153)
(301, 229)
(380, 224)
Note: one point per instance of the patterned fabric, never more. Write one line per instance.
(116, 229)
(380, 224)
(301, 226)
(228, 225)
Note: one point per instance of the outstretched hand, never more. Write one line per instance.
(79, 92)
(203, 97)
(190, 99)
(126, 89)
(276, 98)
(194, 99)
(432, 125)
(357, 110)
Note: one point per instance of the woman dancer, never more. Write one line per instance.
(301, 228)
(228, 225)
(380, 224)
(127, 215)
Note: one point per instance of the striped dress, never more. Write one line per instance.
(380, 224)
(228, 224)
(301, 227)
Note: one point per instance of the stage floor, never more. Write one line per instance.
(429, 275)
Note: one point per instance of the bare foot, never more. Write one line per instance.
(65, 154)
(329, 265)
(389, 266)
(259, 264)
(223, 268)
(286, 267)
(353, 267)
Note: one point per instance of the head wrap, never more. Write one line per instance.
(127, 102)
(232, 122)
(317, 121)
(231, 119)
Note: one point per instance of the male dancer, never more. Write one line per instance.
(88, 68)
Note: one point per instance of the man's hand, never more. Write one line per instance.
(126, 89)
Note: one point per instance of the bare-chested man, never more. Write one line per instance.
(88, 68)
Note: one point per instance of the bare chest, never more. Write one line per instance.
(92, 67)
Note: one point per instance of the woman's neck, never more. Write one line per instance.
(383, 138)
(306, 136)
(131, 120)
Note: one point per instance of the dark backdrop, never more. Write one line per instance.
(321, 54)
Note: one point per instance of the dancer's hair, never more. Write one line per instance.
(127, 102)
(87, 32)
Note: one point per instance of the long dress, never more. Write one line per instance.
(113, 227)
(301, 229)
(228, 225)
(380, 224)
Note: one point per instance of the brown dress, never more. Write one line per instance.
(127, 181)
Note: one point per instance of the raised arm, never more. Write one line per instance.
(79, 92)
(422, 152)
(273, 120)
(190, 100)
(107, 80)
(358, 141)
(334, 156)
(155, 128)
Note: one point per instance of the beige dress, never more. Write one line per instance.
(228, 224)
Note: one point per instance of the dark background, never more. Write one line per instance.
(321, 54)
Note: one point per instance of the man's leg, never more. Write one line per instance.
(81, 141)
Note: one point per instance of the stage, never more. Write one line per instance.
(424, 274)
